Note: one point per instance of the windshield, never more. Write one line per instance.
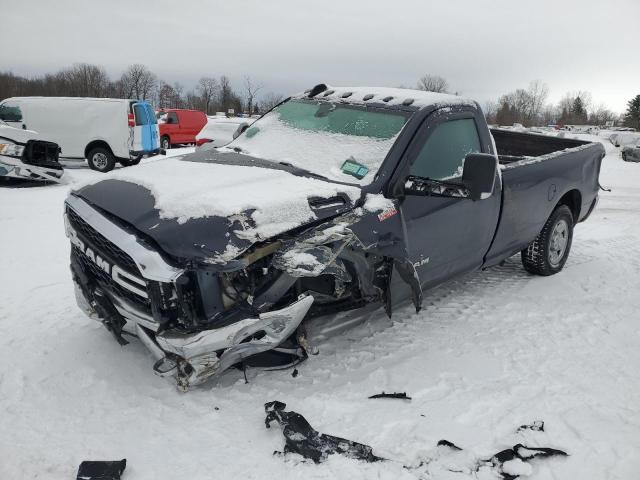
(342, 142)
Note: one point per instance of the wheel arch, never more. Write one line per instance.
(95, 144)
(573, 200)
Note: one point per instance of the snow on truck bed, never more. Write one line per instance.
(488, 353)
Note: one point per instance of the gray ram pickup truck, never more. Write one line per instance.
(336, 199)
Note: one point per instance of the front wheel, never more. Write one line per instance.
(101, 159)
(548, 253)
(165, 143)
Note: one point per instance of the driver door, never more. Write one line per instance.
(447, 236)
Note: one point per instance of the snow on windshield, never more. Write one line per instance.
(321, 136)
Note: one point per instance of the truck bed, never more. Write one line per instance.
(537, 172)
(517, 146)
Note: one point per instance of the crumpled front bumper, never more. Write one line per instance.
(15, 168)
(193, 358)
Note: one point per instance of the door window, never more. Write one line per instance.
(140, 111)
(442, 155)
(10, 112)
(172, 118)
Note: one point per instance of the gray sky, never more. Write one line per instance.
(483, 48)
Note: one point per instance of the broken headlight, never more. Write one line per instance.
(11, 149)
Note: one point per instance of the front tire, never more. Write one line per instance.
(165, 142)
(101, 159)
(548, 253)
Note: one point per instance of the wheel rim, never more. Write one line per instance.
(100, 161)
(165, 143)
(559, 242)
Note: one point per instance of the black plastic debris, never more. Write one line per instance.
(401, 396)
(301, 438)
(101, 470)
(519, 452)
(447, 443)
(294, 374)
(537, 426)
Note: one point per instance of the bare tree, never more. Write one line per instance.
(251, 90)
(208, 88)
(523, 106)
(600, 115)
(227, 99)
(138, 81)
(85, 80)
(433, 83)
(269, 101)
(166, 96)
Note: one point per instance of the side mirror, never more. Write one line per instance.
(240, 130)
(479, 175)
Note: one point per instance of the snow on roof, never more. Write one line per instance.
(390, 96)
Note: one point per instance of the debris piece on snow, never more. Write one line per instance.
(401, 396)
(302, 439)
(513, 457)
(101, 470)
(537, 426)
(447, 443)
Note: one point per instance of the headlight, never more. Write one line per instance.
(11, 149)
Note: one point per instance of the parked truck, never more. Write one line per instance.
(26, 156)
(337, 199)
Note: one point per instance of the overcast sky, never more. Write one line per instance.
(483, 48)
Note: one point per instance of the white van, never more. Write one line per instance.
(102, 130)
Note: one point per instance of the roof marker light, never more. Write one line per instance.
(408, 102)
(369, 96)
(387, 99)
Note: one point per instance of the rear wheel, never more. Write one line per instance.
(165, 142)
(101, 159)
(548, 253)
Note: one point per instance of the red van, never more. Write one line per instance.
(179, 126)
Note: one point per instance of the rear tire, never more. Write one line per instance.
(101, 159)
(548, 253)
(165, 142)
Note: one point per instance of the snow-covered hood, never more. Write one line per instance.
(217, 208)
(17, 134)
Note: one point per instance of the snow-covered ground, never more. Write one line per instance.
(489, 352)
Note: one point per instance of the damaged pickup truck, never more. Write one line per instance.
(23, 155)
(335, 199)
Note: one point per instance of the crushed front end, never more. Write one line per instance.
(33, 160)
(200, 317)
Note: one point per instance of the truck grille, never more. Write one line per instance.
(109, 252)
(42, 154)
(102, 244)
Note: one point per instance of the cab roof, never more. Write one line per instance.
(399, 97)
